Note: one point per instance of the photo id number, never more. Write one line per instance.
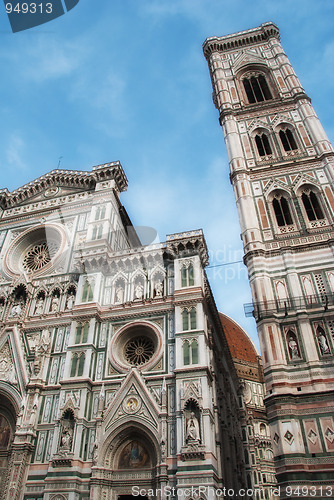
(29, 8)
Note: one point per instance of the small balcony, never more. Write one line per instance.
(282, 307)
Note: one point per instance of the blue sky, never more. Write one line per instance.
(126, 80)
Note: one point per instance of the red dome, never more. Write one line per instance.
(240, 344)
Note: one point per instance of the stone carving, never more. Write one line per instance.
(7, 370)
(131, 404)
(139, 291)
(70, 301)
(66, 438)
(159, 288)
(192, 429)
(329, 434)
(293, 346)
(16, 310)
(322, 341)
(45, 341)
(55, 303)
(39, 307)
(41, 350)
(119, 295)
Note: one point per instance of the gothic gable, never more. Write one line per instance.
(13, 366)
(132, 402)
(63, 182)
(248, 58)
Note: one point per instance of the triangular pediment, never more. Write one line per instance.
(132, 402)
(13, 368)
(301, 179)
(280, 118)
(248, 58)
(51, 193)
(257, 124)
(7, 367)
(62, 183)
(275, 184)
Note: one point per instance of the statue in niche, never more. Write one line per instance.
(39, 306)
(139, 291)
(322, 341)
(67, 432)
(95, 453)
(55, 303)
(159, 288)
(16, 310)
(293, 347)
(41, 349)
(192, 433)
(70, 301)
(119, 295)
(66, 438)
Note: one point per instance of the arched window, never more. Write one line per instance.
(312, 207)
(194, 352)
(78, 362)
(87, 292)
(288, 140)
(257, 89)
(100, 213)
(189, 319)
(190, 352)
(282, 211)
(186, 353)
(187, 275)
(81, 336)
(97, 232)
(263, 146)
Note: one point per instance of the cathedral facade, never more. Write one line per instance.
(115, 373)
(281, 170)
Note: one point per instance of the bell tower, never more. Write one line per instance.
(281, 169)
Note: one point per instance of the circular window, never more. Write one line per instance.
(35, 249)
(39, 255)
(138, 350)
(137, 345)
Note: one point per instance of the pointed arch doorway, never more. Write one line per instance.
(127, 467)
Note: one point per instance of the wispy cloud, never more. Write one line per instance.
(15, 152)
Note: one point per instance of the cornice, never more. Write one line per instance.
(279, 247)
(180, 245)
(254, 36)
(254, 110)
(75, 179)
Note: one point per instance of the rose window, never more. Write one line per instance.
(36, 249)
(39, 255)
(139, 350)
